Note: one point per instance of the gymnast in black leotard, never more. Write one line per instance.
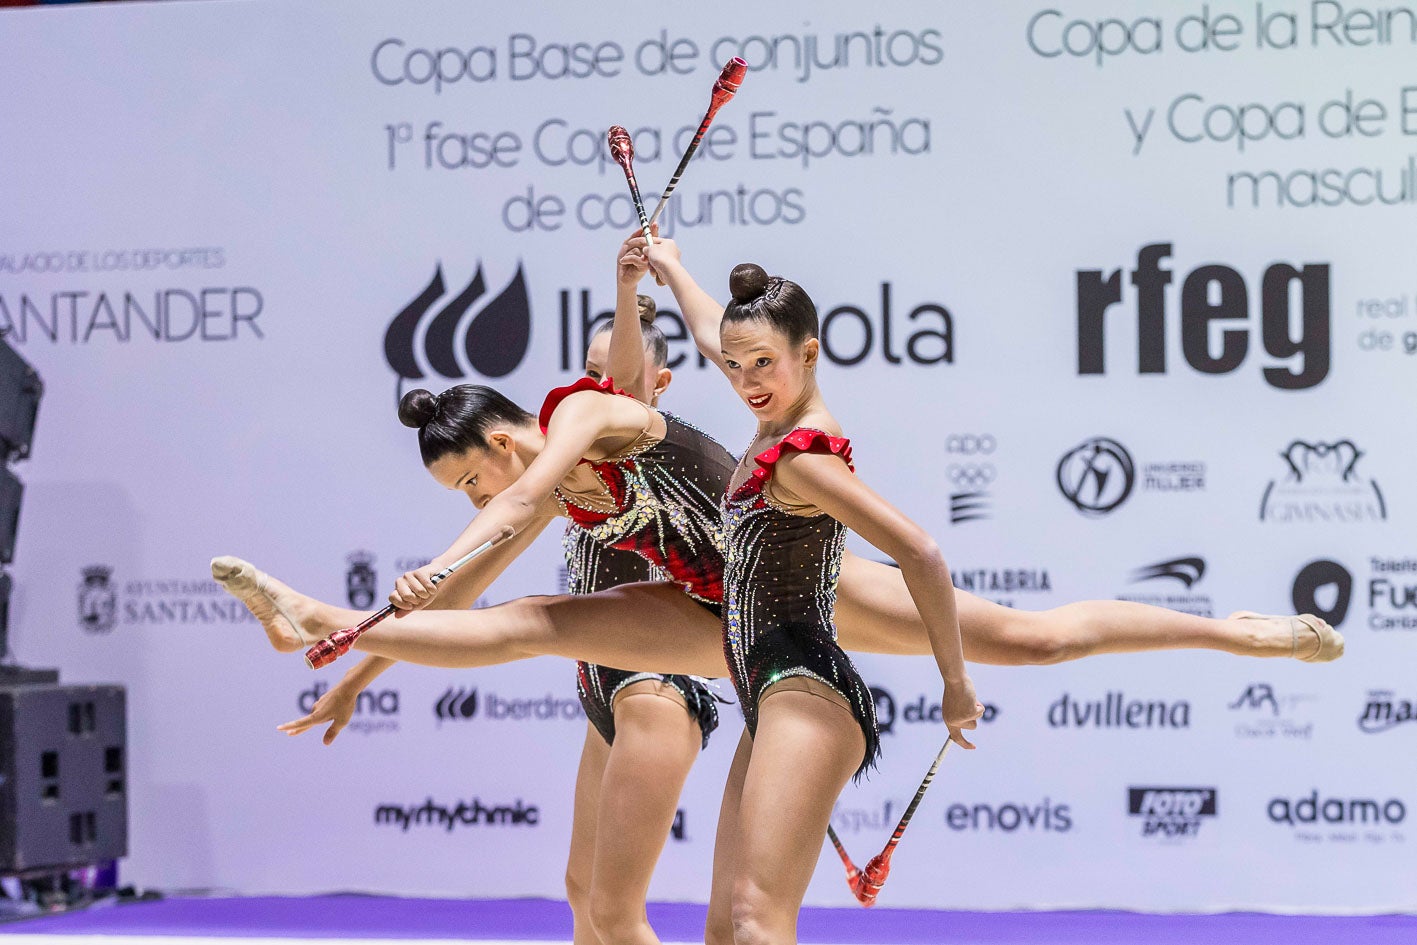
(810, 718)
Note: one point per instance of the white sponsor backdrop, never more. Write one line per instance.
(270, 184)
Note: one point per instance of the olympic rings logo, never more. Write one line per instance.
(970, 444)
(971, 475)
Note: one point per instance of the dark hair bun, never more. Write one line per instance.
(417, 408)
(647, 308)
(747, 282)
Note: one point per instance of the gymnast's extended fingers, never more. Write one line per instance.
(298, 726)
(958, 738)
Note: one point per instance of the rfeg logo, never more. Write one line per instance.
(1216, 316)
(463, 335)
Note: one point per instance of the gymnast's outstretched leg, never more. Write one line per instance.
(649, 627)
(874, 614)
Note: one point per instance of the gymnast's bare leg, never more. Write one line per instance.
(874, 614)
(625, 627)
(622, 820)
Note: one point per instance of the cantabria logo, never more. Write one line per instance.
(463, 335)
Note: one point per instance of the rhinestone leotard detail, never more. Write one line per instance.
(664, 501)
(780, 580)
(592, 567)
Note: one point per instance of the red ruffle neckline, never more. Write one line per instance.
(802, 440)
(553, 400)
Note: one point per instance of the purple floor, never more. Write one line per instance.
(543, 920)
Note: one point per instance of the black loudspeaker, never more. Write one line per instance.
(20, 390)
(63, 776)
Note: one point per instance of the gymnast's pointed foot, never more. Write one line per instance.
(280, 610)
(1308, 638)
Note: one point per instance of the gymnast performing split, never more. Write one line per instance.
(651, 485)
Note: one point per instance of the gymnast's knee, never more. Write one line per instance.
(755, 920)
(1039, 638)
(617, 918)
(578, 893)
(718, 929)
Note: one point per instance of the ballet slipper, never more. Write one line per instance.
(1330, 641)
(247, 583)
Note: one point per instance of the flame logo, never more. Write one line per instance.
(456, 705)
(450, 342)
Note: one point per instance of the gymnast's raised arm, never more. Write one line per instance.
(702, 313)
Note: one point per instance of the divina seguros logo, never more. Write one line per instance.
(375, 710)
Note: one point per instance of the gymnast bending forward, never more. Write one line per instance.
(644, 730)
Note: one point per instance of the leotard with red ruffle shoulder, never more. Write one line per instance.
(661, 499)
(780, 579)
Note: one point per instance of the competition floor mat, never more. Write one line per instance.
(351, 918)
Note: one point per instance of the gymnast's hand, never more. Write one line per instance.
(664, 251)
(631, 264)
(414, 589)
(961, 709)
(336, 707)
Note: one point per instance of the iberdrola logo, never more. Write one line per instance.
(469, 333)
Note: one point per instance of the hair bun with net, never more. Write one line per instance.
(747, 282)
(417, 407)
(647, 308)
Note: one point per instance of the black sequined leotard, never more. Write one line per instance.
(663, 500)
(591, 567)
(780, 593)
